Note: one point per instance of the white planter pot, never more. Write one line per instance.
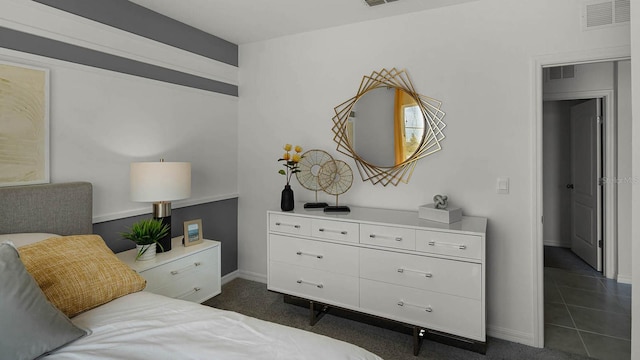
(146, 252)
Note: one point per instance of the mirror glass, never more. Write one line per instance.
(385, 126)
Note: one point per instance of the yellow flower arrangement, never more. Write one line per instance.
(290, 161)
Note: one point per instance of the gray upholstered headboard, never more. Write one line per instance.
(64, 208)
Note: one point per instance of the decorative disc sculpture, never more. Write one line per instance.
(429, 144)
(309, 167)
(335, 178)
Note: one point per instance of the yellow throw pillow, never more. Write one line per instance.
(79, 272)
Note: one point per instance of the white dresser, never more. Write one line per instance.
(386, 263)
(190, 273)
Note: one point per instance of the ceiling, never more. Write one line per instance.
(246, 21)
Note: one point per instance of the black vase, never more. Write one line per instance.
(286, 201)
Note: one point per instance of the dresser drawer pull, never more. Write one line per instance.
(426, 274)
(291, 225)
(190, 292)
(309, 254)
(396, 238)
(333, 231)
(319, 286)
(176, 272)
(427, 309)
(457, 246)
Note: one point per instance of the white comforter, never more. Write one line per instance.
(146, 326)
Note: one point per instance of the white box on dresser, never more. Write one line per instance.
(386, 263)
(190, 273)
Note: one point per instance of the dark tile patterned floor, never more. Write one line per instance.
(585, 313)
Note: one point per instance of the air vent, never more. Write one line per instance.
(568, 71)
(622, 11)
(378, 2)
(562, 72)
(599, 14)
(555, 73)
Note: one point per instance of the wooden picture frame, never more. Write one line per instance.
(192, 232)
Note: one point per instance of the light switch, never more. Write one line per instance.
(502, 186)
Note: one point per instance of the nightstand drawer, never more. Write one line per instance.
(320, 255)
(446, 313)
(335, 230)
(203, 262)
(444, 243)
(341, 290)
(388, 236)
(445, 276)
(290, 224)
(198, 288)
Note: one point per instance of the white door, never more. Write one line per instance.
(585, 189)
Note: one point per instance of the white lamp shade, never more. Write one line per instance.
(160, 181)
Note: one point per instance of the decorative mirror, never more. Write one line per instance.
(387, 127)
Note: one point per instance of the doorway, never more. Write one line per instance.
(573, 156)
(582, 308)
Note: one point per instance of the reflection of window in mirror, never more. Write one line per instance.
(408, 126)
(413, 129)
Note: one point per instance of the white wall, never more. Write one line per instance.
(635, 192)
(476, 58)
(625, 181)
(101, 121)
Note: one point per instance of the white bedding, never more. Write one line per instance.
(148, 326)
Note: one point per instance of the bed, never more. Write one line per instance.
(48, 227)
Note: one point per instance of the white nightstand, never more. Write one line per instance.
(190, 273)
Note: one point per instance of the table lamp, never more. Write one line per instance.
(161, 182)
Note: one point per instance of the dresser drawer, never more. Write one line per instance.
(437, 242)
(342, 259)
(296, 225)
(313, 284)
(446, 313)
(335, 230)
(388, 236)
(445, 276)
(203, 262)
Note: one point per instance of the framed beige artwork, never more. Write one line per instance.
(24, 124)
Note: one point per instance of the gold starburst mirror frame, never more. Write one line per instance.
(416, 135)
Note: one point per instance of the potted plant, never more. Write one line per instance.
(146, 234)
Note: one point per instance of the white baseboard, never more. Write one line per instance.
(248, 275)
(230, 276)
(624, 279)
(511, 335)
(556, 243)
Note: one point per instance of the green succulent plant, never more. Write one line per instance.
(146, 232)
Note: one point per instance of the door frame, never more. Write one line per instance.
(609, 205)
(537, 249)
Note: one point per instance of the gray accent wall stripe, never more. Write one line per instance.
(136, 19)
(34, 44)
